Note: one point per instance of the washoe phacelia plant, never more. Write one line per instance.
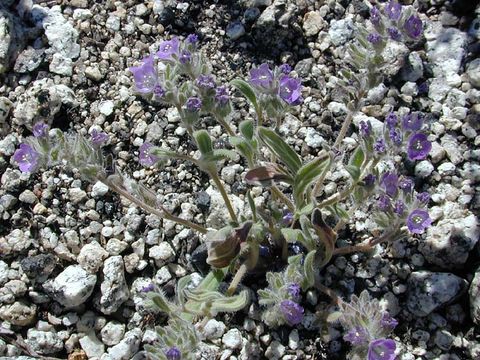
(293, 235)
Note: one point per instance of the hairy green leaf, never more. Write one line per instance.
(246, 90)
(307, 174)
(204, 142)
(280, 149)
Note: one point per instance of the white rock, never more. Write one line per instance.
(61, 65)
(446, 50)
(114, 287)
(91, 345)
(312, 23)
(126, 348)
(340, 31)
(91, 257)
(423, 169)
(106, 107)
(61, 35)
(44, 342)
(112, 333)
(214, 329)
(99, 189)
(72, 287)
(232, 339)
(161, 253)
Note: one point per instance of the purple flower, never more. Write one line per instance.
(145, 76)
(261, 76)
(412, 122)
(423, 197)
(374, 38)
(395, 136)
(406, 184)
(144, 156)
(285, 69)
(292, 312)
(365, 128)
(369, 180)
(185, 57)
(390, 184)
(384, 203)
(193, 104)
(399, 207)
(356, 336)
(221, 95)
(40, 129)
(173, 354)
(394, 34)
(418, 221)
(158, 91)
(393, 10)
(148, 288)
(192, 39)
(98, 138)
(205, 82)
(168, 48)
(375, 16)
(418, 147)
(413, 27)
(388, 322)
(381, 349)
(287, 218)
(391, 120)
(26, 158)
(290, 90)
(293, 290)
(379, 146)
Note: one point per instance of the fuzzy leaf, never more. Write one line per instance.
(334, 317)
(307, 174)
(358, 157)
(204, 142)
(354, 172)
(231, 303)
(247, 129)
(160, 302)
(309, 269)
(280, 149)
(246, 90)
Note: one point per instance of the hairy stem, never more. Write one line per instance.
(162, 213)
(242, 270)
(224, 194)
(225, 125)
(275, 190)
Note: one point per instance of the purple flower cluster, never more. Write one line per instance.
(145, 75)
(292, 312)
(395, 25)
(279, 83)
(407, 131)
(401, 203)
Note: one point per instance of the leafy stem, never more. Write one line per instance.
(162, 213)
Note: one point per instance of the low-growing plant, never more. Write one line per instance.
(299, 225)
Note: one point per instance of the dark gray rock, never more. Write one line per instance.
(427, 291)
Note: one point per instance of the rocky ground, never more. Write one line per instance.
(74, 257)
